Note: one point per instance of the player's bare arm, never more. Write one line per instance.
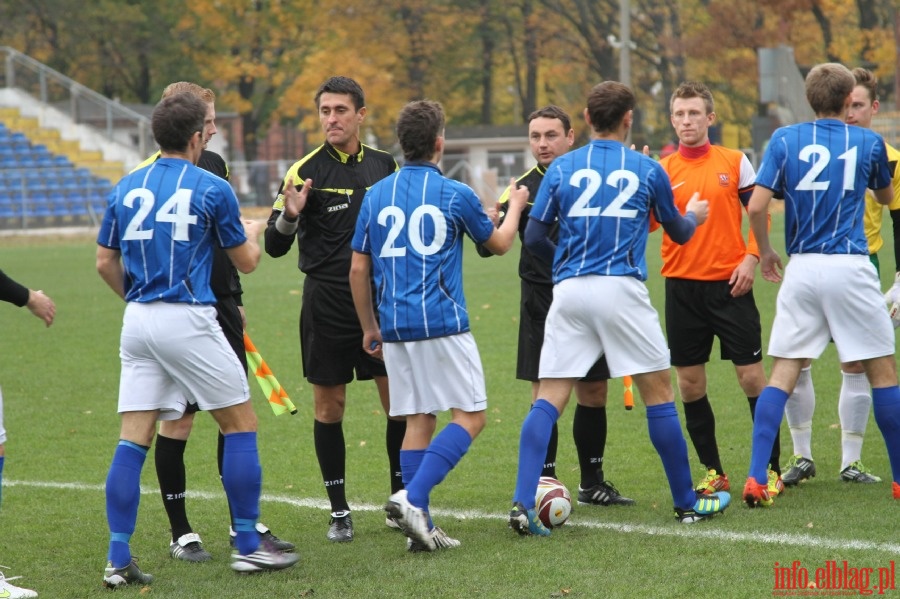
(758, 209)
(884, 196)
(361, 289)
(245, 257)
(109, 265)
(501, 240)
(295, 199)
(41, 306)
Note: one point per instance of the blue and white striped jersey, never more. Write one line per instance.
(412, 223)
(165, 218)
(602, 194)
(822, 170)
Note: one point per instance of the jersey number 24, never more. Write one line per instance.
(176, 210)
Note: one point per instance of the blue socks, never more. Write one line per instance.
(410, 460)
(442, 455)
(666, 437)
(533, 442)
(242, 479)
(1, 479)
(766, 422)
(123, 494)
(886, 405)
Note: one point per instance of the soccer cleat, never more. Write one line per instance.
(11, 591)
(265, 534)
(189, 548)
(603, 493)
(895, 489)
(114, 578)
(706, 506)
(391, 523)
(756, 494)
(713, 483)
(413, 520)
(441, 541)
(526, 522)
(340, 528)
(266, 557)
(776, 485)
(857, 473)
(798, 469)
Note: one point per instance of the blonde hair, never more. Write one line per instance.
(186, 87)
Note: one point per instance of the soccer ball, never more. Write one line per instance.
(554, 504)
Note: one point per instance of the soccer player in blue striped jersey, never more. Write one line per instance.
(155, 250)
(602, 195)
(409, 234)
(831, 288)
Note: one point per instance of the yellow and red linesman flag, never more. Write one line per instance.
(271, 388)
(629, 393)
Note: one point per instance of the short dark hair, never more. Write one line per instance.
(607, 105)
(419, 125)
(342, 85)
(868, 80)
(175, 120)
(693, 89)
(827, 87)
(551, 111)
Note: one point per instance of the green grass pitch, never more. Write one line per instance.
(60, 386)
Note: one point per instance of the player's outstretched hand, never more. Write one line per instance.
(699, 207)
(645, 150)
(252, 228)
(41, 306)
(770, 266)
(518, 196)
(295, 199)
(493, 213)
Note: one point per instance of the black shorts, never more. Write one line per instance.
(535, 304)
(331, 338)
(697, 311)
(229, 317)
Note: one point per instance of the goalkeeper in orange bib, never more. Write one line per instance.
(709, 281)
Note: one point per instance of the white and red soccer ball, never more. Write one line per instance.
(553, 502)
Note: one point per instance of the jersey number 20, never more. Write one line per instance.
(397, 219)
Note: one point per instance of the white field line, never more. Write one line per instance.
(694, 532)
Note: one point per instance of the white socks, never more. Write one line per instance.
(799, 413)
(853, 408)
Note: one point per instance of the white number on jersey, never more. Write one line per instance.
(820, 163)
(414, 232)
(594, 181)
(176, 210)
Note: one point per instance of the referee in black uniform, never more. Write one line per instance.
(341, 170)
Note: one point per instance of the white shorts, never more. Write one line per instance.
(824, 297)
(435, 375)
(598, 315)
(173, 354)
(2, 430)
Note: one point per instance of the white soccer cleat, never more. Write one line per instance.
(412, 520)
(266, 557)
(11, 591)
